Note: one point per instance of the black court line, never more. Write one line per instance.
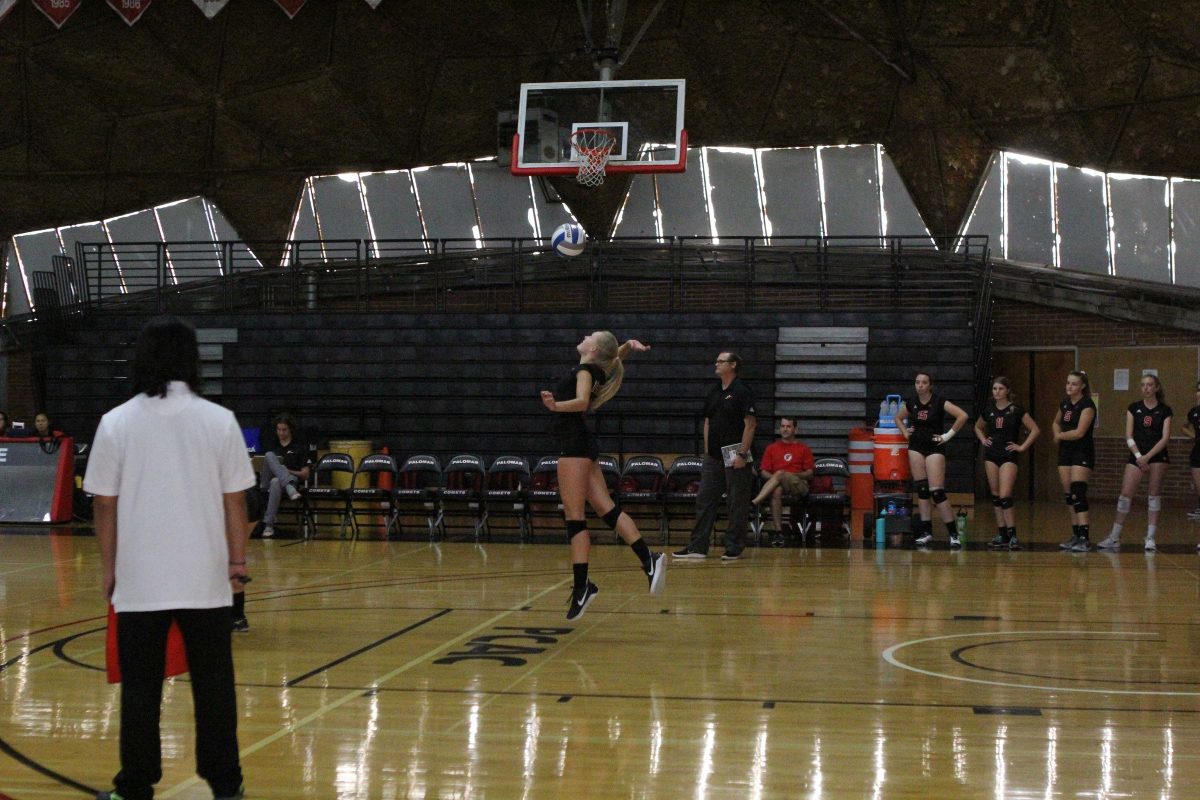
(975, 618)
(769, 704)
(371, 646)
(60, 651)
(957, 656)
(1015, 711)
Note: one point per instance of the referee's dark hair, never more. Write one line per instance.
(166, 351)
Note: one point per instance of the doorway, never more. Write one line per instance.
(1038, 378)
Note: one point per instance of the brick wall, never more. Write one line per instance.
(1018, 325)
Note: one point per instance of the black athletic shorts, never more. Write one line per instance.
(579, 443)
(1074, 454)
(926, 447)
(1000, 460)
(1194, 457)
(1160, 457)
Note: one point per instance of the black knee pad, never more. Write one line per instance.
(610, 519)
(575, 526)
(1079, 491)
(922, 487)
(1069, 498)
(997, 501)
(1006, 502)
(938, 495)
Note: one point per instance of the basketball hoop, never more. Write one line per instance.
(593, 146)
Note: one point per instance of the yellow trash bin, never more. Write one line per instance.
(357, 449)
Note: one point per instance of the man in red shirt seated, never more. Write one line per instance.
(786, 466)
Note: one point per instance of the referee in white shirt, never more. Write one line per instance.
(168, 470)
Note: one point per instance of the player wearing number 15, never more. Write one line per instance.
(168, 470)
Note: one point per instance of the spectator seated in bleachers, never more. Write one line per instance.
(284, 467)
(43, 428)
(4, 424)
(787, 468)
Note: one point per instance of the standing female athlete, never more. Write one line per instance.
(1193, 427)
(1073, 429)
(590, 384)
(1147, 434)
(998, 428)
(927, 453)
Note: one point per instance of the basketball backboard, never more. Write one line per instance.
(644, 117)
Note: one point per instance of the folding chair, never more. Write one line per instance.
(825, 507)
(416, 491)
(507, 481)
(679, 495)
(542, 497)
(377, 469)
(642, 483)
(462, 489)
(610, 468)
(321, 496)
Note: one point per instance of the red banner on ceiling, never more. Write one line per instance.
(58, 11)
(211, 7)
(290, 7)
(5, 7)
(130, 10)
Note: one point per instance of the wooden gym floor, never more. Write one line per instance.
(403, 669)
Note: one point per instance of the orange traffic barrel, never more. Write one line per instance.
(861, 485)
(891, 455)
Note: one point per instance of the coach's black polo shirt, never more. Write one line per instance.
(726, 411)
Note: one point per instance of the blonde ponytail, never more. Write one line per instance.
(614, 370)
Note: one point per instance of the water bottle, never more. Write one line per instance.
(880, 531)
(960, 524)
(884, 416)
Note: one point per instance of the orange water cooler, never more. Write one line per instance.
(861, 485)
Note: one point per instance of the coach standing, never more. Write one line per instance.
(168, 470)
(729, 424)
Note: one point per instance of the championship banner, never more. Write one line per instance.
(58, 11)
(210, 8)
(130, 10)
(5, 7)
(290, 7)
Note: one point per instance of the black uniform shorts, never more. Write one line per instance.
(1077, 454)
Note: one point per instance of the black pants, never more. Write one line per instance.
(142, 642)
(717, 480)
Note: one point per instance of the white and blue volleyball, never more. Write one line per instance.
(568, 239)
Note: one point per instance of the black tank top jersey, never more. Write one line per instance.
(926, 419)
(1148, 423)
(1003, 426)
(1070, 414)
(566, 391)
(1193, 418)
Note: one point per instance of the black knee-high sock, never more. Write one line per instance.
(239, 604)
(640, 549)
(1012, 533)
(580, 578)
(951, 528)
(1075, 529)
(1085, 531)
(1003, 531)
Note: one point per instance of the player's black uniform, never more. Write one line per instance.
(1148, 430)
(574, 438)
(1079, 452)
(1193, 417)
(1003, 426)
(926, 421)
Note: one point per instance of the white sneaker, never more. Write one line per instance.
(1194, 513)
(292, 492)
(924, 540)
(1111, 542)
(1150, 546)
(268, 532)
(658, 573)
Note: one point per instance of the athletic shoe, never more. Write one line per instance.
(241, 795)
(241, 625)
(728, 556)
(576, 606)
(1150, 546)
(1082, 545)
(955, 542)
(1013, 544)
(777, 540)
(924, 539)
(998, 543)
(292, 492)
(1069, 544)
(268, 532)
(657, 576)
(109, 796)
(1194, 513)
(1112, 542)
(685, 553)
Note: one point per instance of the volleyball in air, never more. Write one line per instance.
(568, 239)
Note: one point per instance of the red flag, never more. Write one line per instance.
(290, 7)
(58, 11)
(130, 10)
(176, 654)
(5, 7)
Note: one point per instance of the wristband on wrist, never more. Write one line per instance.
(1131, 444)
(1136, 455)
(948, 435)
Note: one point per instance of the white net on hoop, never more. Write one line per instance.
(593, 146)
